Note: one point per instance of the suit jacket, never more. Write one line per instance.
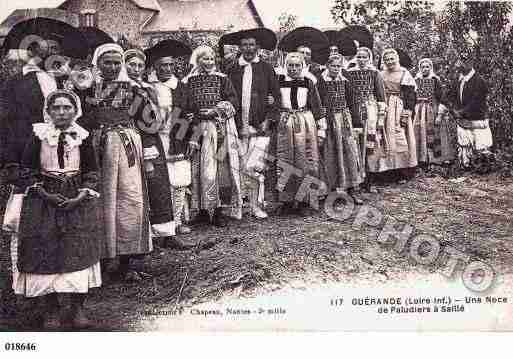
(473, 103)
(24, 102)
(264, 83)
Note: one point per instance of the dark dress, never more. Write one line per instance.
(52, 240)
(341, 159)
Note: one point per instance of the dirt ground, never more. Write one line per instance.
(254, 258)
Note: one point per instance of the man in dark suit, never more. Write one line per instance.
(257, 87)
(25, 95)
(468, 96)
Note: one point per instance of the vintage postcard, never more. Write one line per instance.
(229, 165)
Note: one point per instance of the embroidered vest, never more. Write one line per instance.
(363, 82)
(335, 96)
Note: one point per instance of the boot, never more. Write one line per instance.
(79, 319)
(52, 319)
(203, 217)
(355, 196)
(179, 244)
(219, 220)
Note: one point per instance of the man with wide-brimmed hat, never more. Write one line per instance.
(468, 97)
(313, 44)
(257, 88)
(41, 39)
(172, 172)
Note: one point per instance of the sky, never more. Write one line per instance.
(314, 13)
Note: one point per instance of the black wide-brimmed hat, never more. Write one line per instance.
(359, 33)
(265, 38)
(311, 37)
(70, 38)
(346, 45)
(95, 37)
(166, 48)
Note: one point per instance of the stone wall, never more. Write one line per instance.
(116, 17)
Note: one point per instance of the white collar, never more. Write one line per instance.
(30, 66)
(468, 76)
(172, 83)
(48, 132)
(243, 62)
(327, 77)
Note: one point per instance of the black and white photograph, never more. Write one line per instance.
(255, 166)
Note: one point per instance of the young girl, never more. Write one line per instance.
(58, 243)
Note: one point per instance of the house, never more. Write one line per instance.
(143, 22)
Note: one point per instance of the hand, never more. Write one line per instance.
(270, 100)
(72, 203)
(55, 199)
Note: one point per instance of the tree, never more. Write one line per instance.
(477, 28)
(288, 22)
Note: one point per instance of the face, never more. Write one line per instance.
(135, 68)
(390, 60)
(425, 68)
(110, 65)
(164, 68)
(334, 67)
(362, 58)
(62, 112)
(207, 62)
(333, 50)
(248, 48)
(294, 67)
(54, 48)
(307, 54)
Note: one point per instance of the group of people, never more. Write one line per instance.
(128, 155)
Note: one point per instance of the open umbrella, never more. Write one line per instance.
(166, 48)
(95, 37)
(346, 45)
(265, 38)
(359, 33)
(313, 38)
(70, 38)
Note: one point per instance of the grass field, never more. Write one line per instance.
(253, 258)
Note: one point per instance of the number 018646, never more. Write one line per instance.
(20, 346)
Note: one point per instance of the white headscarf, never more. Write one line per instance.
(105, 48)
(370, 65)
(47, 130)
(198, 53)
(431, 71)
(407, 79)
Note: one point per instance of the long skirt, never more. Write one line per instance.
(215, 170)
(298, 158)
(341, 158)
(434, 142)
(124, 197)
(399, 148)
